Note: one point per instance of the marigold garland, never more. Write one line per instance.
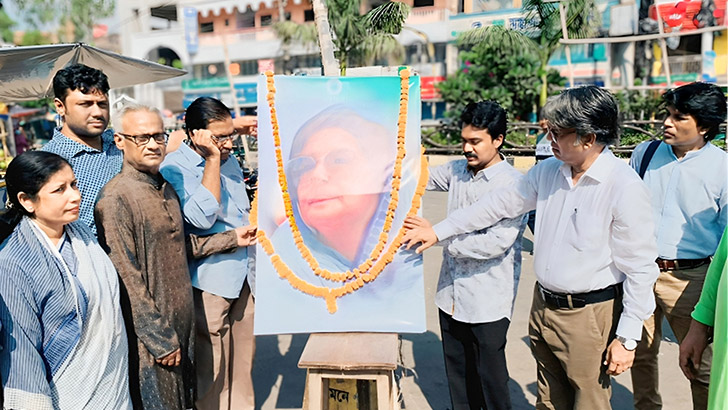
(372, 266)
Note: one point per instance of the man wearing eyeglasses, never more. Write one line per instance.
(210, 185)
(593, 256)
(140, 227)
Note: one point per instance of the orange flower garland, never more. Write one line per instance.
(372, 266)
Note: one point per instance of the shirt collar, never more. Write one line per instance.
(155, 180)
(71, 148)
(490, 172)
(598, 171)
(688, 154)
(194, 157)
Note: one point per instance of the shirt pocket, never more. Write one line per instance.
(585, 231)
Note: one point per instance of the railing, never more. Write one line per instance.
(685, 64)
(511, 148)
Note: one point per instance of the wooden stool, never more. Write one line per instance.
(360, 356)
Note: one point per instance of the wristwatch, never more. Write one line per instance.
(629, 344)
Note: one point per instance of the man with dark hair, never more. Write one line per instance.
(480, 270)
(210, 185)
(82, 101)
(594, 265)
(686, 176)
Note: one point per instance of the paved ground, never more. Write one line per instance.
(279, 383)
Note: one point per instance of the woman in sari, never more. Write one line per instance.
(63, 337)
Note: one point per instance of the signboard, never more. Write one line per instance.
(689, 15)
(191, 34)
(246, 93)
(429, 91)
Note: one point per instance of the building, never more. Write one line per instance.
(198, 35)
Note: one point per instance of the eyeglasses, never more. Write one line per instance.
(221, 139)
(334, 162)
(143, 139)
(557, 133)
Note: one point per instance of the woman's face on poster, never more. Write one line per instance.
(335, 178)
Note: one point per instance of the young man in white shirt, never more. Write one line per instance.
(594, 265)
(480, 270)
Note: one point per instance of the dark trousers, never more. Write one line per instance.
(475, 362)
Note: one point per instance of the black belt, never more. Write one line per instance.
(558, 300)
(678, 264)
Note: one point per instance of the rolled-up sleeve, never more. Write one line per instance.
(439, 178)
(507, 202)
(199, 206)
(634, 250)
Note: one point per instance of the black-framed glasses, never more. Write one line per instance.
(221, 139)
(143, 139)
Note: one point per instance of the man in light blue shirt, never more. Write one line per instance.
(480, 270)
(210, 185)
(688, 181)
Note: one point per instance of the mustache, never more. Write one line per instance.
(469, 155)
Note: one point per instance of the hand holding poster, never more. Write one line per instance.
(340, 168)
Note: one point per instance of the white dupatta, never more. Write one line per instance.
(96, 373)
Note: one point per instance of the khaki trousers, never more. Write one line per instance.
(224, 350)
(676, 294)
(569, 346)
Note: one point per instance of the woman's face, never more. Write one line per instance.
(58, 200)
(335, 179)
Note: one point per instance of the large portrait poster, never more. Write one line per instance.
(339, 170)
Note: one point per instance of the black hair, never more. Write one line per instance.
(79, 77)
(487, 115)
(204, 110)
(587, 109)
(27, 173)
(704, 101)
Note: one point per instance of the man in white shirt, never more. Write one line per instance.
(480, 270)
(594, 264)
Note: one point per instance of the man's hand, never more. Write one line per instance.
(419, 230)
(246, 124)
(692, 347)
(619, 359)
(172, 359)
(204, 143)
(246, 235)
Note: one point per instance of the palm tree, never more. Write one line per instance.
(543, 32)
(356, 39)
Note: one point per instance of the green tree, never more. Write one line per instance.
(34, 38)
(81, 14)
(291, 33)
(6, 27)
(489, 72)
(357, 39)
(542, 34)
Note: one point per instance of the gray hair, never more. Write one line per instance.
(588, 110)
(128, 108)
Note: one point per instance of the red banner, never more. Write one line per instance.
(428, 89)
(688, 15)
